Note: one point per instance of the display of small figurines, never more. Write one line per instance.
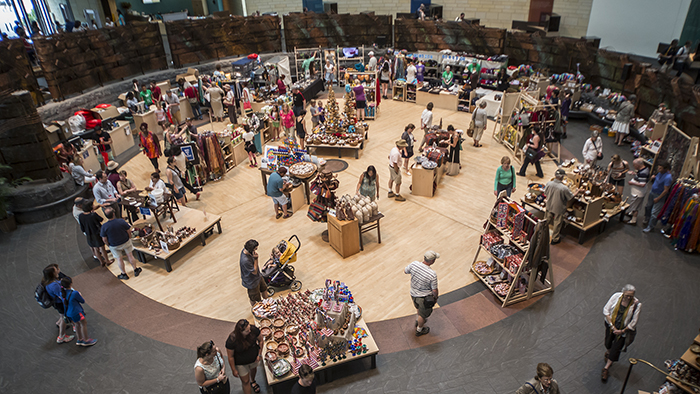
(323, 187)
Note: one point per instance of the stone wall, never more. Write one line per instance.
(16, 72)
(74, 62)
(313, 30)
(195, 41)
(415, 35)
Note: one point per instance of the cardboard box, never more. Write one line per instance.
(106, 113)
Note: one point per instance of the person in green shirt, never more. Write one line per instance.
(505, 178)
(447, 77)
(308, 64)
(146, 95)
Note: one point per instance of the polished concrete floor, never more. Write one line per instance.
(564, 329)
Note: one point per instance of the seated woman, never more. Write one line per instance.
(79, 174)
(156, 183)
(447, 78)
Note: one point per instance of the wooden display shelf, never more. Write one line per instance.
(689, 358)
(533, 287)
(357, 150)
(326, 370)
(423, 181)
(186, 217)
(398, 93)
(442, 100)
(411, 90)
(591, 216)
(239, 153)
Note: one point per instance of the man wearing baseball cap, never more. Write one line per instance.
(558, 196)
(395, 170)
(424, 290)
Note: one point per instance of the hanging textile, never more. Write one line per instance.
(680, 213)
(212, 155)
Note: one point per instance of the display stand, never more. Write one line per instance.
(411, 90)
(369, 81)
(690, 358)
(680, 151)
(519, 279)
(344, 236)
(398, 92)
(122, 138)
(299, 61)
(239, 153)
(508, 104)
(347, 63)
(538, 83)
(89, 154)
(227, 150)
(443, 100)
(424, 182)
(511, 136)
(149, 117)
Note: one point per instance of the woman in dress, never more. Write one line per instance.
(75, 312)
(210, 370)
(480, 121)
(149, 144)
(505, 178)
(248, 137)
(246, 100)
(360, 103)
(287, 119)
(79, 174)
(217, 107)
(455, 145)
(90, 225)
(593, 149)
(617, 171)
(407, 152)
(367, 185)
(621, 127)
(534, 144)
(542, 383)
(244, 350)
(275, 118)
(621, 314)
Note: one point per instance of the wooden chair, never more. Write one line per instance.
(370, 225)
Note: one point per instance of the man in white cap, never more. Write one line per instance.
(372, 64)
(395, 170)
(424, 289)
(558, 196)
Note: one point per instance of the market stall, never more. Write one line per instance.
(191, 225)
(518, 262)
(122, 137)
(439, 97)
(322, 328)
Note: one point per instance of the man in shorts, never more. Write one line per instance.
(250, 272)
(115, 233)
(275, 189)
(395, 170)
(424, 290)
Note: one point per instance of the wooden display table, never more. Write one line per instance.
(186, 217)
(185, 109)
(591, 217)
(89, 154)
(356, 149)
(122, 138)
(264, 173)
(149, 117)
(160, 208)
(344, 236)
(423, 181)
(442, 100)
(324, 372)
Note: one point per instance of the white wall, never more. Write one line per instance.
(637, 26)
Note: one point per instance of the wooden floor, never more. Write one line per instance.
(206, 280)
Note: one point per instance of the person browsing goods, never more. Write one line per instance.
(558, 196)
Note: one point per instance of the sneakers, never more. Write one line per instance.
(65, 338)
(123, 276)
(391, 194)
(423, 331)
(88, 342)
(399, 198)
(647, 229)
(137, 271)
(666, 233)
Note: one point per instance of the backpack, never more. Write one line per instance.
(43, 297)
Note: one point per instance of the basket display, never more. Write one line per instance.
(481, 268)
(302, 170)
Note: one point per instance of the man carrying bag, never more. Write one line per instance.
(424, 290)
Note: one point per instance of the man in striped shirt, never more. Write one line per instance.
(424, 290)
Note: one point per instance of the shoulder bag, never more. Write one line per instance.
(533, 387)
(472, 126)
(600, 154)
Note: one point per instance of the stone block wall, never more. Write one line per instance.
(74, 62)
(16, 72)
(415, 35)
(313, 30)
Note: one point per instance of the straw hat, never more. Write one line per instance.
(112, 165)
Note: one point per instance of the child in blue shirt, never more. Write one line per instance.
(75, 312)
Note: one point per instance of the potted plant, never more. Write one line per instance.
(7, 219)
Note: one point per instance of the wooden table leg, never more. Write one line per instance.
(203, 239)
(264, 181)
(218, 226)
(580, 237)
(168, 267)
(340, 154)
(374, 361)
(357, 154)
(172, 215)
(379, 233)
(362, 247)
(155, 213)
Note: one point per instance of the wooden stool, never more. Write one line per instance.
(370, 225)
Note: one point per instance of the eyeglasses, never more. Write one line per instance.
(546, 380)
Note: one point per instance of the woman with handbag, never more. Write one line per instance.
(593, 149)
(210, 370)
(455, 144)
(617, 170)
(621, 315)
(480, 119)
(533, 152)
(407, 152)
(244, 350)
(505, 178)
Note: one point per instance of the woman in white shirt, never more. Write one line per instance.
(248, 137)
(621, 314)
(156, 183)
(592, 148)
(79, 174)
(210, 370)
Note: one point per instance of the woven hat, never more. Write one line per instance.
(112, 165)
(431, 255)
(402, 143)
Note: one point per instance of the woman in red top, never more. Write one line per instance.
(150, 145)
(281, 87)
(156, 95)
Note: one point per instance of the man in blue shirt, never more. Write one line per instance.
(657, 197)
(275, 185)
(115, 233)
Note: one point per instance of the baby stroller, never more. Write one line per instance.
(278, 271)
